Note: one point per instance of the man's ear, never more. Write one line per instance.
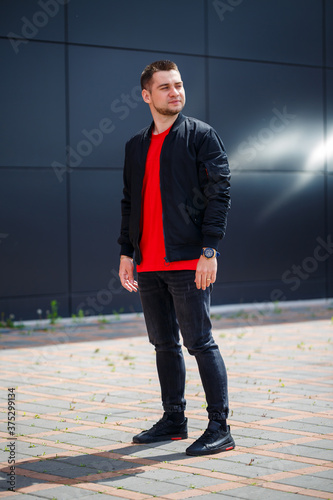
(146, 96)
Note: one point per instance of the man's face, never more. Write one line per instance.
(166, 94)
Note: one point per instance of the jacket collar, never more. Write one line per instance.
(175, 125)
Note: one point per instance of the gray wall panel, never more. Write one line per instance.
(253, 69)
(329, 87)
(266, 30)
(269, 116)
(34, 217)
(106, 107)
(32, 93)
(330, 234)
(25, 308)
(95, 226)
(274, 224)
(110, 299)
(267, 291)
(329, 32)
(149, 25)
(31, 20)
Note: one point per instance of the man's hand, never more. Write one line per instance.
(206, 272)
(126, 274)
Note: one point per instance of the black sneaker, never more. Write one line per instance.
(163, 430)
(213, 440)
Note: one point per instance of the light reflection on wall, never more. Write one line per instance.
(281, 146)
(316, 163)
(321, 154)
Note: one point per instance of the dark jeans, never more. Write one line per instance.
(171, 301)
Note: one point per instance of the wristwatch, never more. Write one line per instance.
(209, 253)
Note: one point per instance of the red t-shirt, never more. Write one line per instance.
(152, 238)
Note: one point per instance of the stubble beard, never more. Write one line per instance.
(169, 112)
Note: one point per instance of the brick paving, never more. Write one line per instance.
(82, 391)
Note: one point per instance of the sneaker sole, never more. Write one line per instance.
(157, 439)
(226, 447)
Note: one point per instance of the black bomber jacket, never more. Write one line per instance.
(195, 190)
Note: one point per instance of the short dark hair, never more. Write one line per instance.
(148, 72)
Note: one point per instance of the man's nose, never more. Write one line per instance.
(174, 91)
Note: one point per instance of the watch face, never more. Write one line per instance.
(208, 253)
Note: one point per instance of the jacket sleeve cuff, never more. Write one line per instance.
(210, 241)
(127, 249)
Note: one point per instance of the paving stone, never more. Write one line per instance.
(69, 492)
(89, 441)
(276, 381)
(277, 465)
(20, 482)
(24, 496)
(59, 468)
(100, 463)
(256, 493)
(264, 434)
(177, 477)
(328, 474)
(146, 486)
(303, 426)
(249, 442)
(325, 444)
(310, 482)
(40, 424)
(239, 469)
(307, 451)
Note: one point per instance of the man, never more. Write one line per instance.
(174, 209)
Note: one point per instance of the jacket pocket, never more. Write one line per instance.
(195, 215)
